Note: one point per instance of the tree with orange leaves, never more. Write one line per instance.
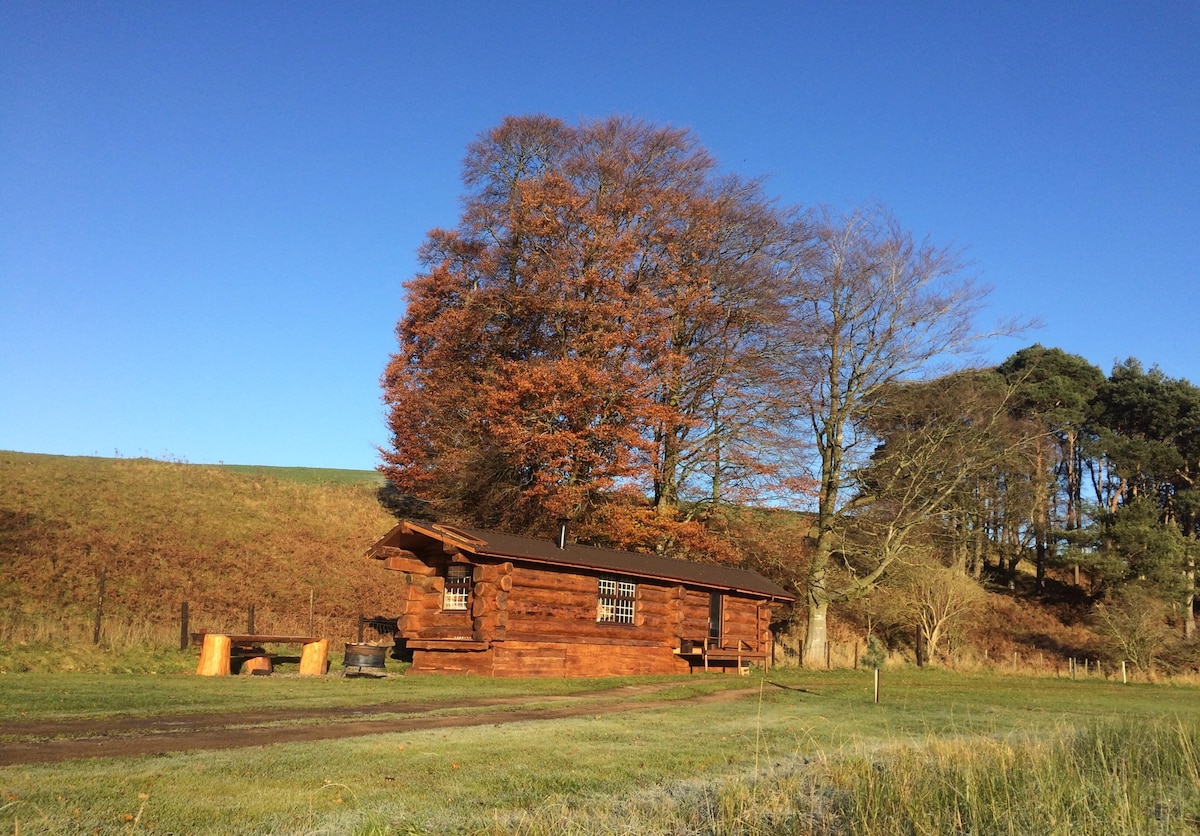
(595, 328)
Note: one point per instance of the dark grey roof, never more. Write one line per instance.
(530, 549)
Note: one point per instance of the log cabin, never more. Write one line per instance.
(482, 602)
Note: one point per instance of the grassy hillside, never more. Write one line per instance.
(224, 538)
(309, 475)
(220, 538)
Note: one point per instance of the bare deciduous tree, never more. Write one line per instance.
(934, 598)
(871, 307)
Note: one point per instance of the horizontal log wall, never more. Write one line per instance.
(743, 619)
(423, 616)
(543, 622)
(550, 633)
(695, 615)
(544, 659)
(481, 662)
(558, 603)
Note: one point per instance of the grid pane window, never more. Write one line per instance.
(458, 587)
(616, 601)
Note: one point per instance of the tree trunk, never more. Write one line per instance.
(666, 492)
(933, 639)
(816, 636)
(816, 594)
(1189, 612)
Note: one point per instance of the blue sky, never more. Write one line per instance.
(207, 209)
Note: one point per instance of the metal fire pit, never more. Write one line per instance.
(364, 659)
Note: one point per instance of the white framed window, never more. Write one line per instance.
(457, 592)
(616, 601)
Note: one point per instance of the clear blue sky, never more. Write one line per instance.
(207, 209)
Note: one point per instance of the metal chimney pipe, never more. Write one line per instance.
(562, 532)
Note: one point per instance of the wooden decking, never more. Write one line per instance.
(710, 653)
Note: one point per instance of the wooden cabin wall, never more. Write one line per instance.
(695, 616)
(550, 605)
(421, 605)
(742, 619)
(741, 622)
(529, 621)
(542, 659)
(489, 601)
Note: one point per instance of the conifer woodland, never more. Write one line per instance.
(620, 334)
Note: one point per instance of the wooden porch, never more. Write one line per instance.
(711, 653)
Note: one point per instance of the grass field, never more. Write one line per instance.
(309, 475)
(802, 753)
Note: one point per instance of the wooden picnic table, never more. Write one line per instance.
(219, 648)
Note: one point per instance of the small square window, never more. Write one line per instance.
(616, 601)
(457, 592)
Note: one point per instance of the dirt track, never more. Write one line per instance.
(43, 742)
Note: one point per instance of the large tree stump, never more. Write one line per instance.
(314, 658)
(214, 656)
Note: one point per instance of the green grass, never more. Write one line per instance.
(310, 475)
(36, 697)
(807, 753)
(1126, 777)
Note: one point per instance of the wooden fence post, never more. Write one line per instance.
(250, 620)
(184, 636)
(99, 606)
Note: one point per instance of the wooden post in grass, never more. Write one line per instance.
(184, 637)
(250, 620)
(920, 646)
(99, 607)
(877, 686)
(1124, 679)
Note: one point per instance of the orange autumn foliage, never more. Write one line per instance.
(590, 341)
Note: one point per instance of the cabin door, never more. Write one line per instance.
(715, 607)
